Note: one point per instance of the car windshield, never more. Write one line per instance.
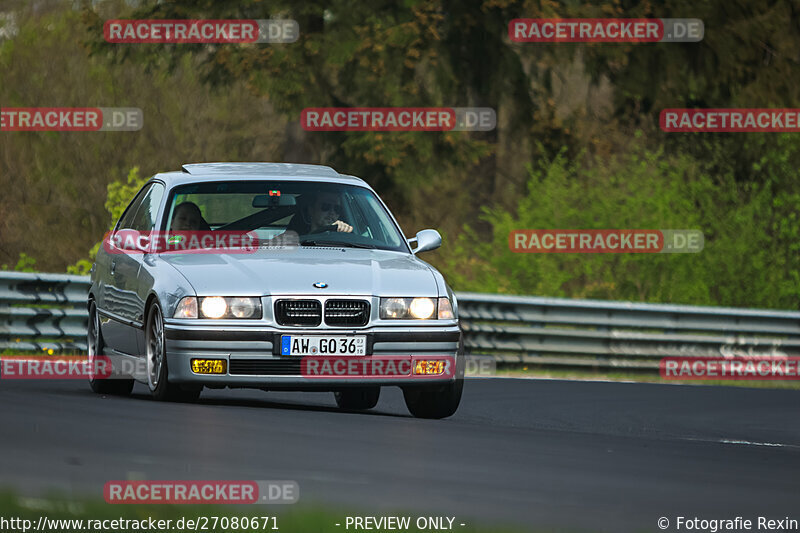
(313, 213)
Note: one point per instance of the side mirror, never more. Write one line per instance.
(427, 239)
(126, 241)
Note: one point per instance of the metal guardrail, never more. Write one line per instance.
(43, 311)
(48, 311)
(562, 331)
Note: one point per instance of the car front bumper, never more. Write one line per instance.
(254, 360)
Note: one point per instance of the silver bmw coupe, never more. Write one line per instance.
(278, 277)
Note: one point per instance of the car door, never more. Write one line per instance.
(121, 306)
(140, 278)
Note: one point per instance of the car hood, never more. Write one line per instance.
(293, 271)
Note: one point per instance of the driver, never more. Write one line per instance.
(187, 217)
(321, 213)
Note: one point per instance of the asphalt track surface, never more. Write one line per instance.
(538, 454)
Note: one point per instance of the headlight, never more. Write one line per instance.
(218, 307)
(408, 308)
(394, 307)
(214, 307)
(244, 307)
(422, 308)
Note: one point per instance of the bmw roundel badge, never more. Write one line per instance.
(320, 284)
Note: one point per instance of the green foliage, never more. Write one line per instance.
(120, 194)
(355, 54)
(25, 263)
(83, 266)
(747, 232)
(54, 184)
(577, 143)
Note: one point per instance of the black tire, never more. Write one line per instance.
(434, 402)
(438, 401)
(156, 360)
(358, 399)
(96, 346)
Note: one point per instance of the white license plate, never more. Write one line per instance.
(318, 345)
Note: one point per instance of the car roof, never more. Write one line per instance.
(197, 172)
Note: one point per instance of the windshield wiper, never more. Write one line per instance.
(337, 244)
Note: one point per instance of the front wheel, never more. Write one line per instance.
(157, 370)
(434, 401)
(438, 401)
(358, 399)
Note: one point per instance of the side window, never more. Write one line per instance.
(126, 222)
(146, 214)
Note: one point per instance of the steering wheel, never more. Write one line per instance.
(323, 229)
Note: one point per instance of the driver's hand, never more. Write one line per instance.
(342, 226)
